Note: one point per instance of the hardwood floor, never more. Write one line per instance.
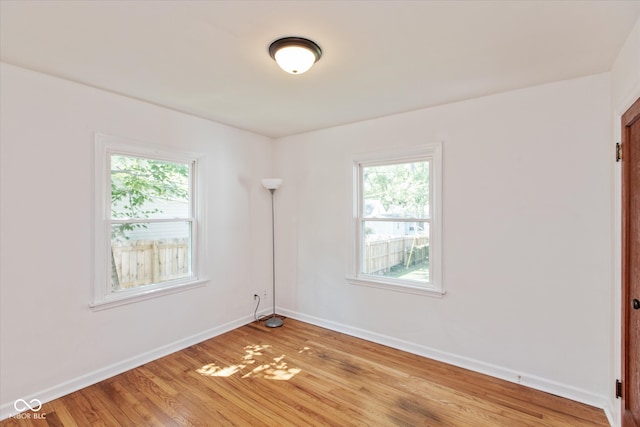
(303, 375)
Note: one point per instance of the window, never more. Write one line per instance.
(397, 220)
(147, 222)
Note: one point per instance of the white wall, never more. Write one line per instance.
(527, 218)
(528, 185)
(52, 342)
(625, 73)
(625, 89)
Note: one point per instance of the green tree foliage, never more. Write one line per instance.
(139, 184)
(401, 188)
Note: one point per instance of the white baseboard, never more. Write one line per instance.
(532, 381)
(613, 415)
(7, 408)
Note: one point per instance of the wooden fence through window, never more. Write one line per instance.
(381, 255)
(142, 262)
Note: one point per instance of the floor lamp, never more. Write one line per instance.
(272, 185)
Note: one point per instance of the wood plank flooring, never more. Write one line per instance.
(303, 375)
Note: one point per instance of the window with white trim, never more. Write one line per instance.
(147, 221)
(397, 220)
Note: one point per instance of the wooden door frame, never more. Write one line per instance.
(628, 118)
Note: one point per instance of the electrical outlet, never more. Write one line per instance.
(255, 296)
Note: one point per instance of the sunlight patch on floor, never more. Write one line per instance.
(274, 368)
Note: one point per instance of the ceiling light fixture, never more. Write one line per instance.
(295, 55)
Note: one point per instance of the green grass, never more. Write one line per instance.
(418, 272)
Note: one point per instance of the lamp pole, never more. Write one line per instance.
(273, 321)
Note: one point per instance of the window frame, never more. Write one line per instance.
(102, 296)
(427, 152)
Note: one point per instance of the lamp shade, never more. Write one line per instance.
(271, 183)
(295, 55)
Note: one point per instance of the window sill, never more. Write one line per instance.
(116, 300)
(397, 287)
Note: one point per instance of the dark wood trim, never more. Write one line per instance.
(628, 118)
(631, 115)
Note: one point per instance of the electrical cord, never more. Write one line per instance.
(255, 312)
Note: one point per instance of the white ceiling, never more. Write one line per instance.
(210, 59)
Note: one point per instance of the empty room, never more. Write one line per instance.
(320, 213)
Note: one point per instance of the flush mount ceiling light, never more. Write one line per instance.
(295, 55)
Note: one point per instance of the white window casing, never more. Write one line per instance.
(103, 294)
(431, 153)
